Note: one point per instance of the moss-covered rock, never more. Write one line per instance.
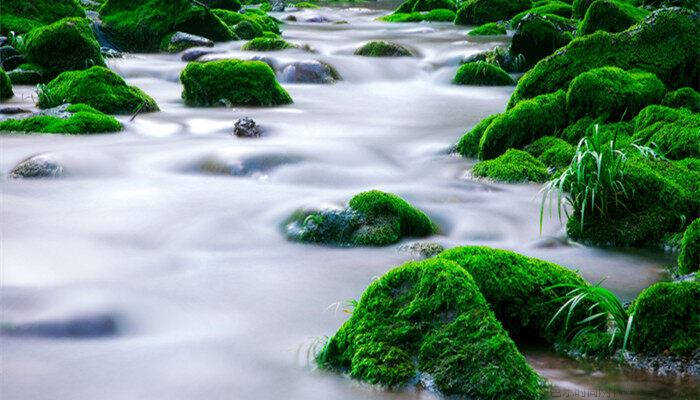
(248, 30)
(380, 48)
(436, 15)
(612, 93)
(673, 132)
(585, 126)
(65, 45)
(482, 74)
(552, 152)
(231, 5)
(579, 8)
(610, 16)
(645, 46)
(372, 218)
(439, 15)
(268, 23)
(403, 17)
(558, 8)
(27, 74)
(141, 25)
(592, 345)
(667, 318)
(410, 6)
(305, 4)
(76, 119)
(488, 29)
(476, 12)
(689, 258)
(538, 36)
(232, 83)
(683, 98)
(267, 44)
(180, 41)
(468, 145)
(430, 317)
(513, 166)
(529, 120)
(21, 16)
(5, 86)
(99, 88)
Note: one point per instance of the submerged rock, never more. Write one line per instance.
(76, 119)
(179, 41)
(311, 71)
(246, 165)
(196, 54)
(247, 128)
(5, 86)
(87, 327)
(423, 249)
(39, 166)
(380, 48)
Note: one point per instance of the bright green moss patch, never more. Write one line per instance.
(248, 30)
(380, 48)
(689, 258)
(513, 166)
(5, 86)
(552, 152)
(482, 74)
(402, 17)
(77, 119)
(468, 145)
(267, 44)
(610, 16)
(488, 29)
(667, 318)
(21, 16)
(305, 4)
(430, 317)
(683, 98)
(476, 12)
(538, 36)
(232, 83)
(439, 15)
(550, 8)
(99, 88)
(410, 6)
(436, 15)
(673, 132)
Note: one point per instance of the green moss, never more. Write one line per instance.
(99, 88)
(402, 17)
(477, 12)
(82, 120)
(65, 45)
(585, 126)
(488, 29)
(667, 318)
(513, 166)
(552, 152)
(593, 344)
(231, 5)
(610, 16)
(580, 7)
(550, 8)
(304, 4)
(27, 74)
(380, 48)
(544, 115)
(267, 44)
(141, 26)
(232, 83)
(646, 47)
(689, 258)
(248, 30)
(439, 15)
(538, 36)
(683, 98)
(482, 74)
(5, 86)
(673, 132)
(429, 317)
(468, 145)
(268, 23)
(21, 16)
(411, 6)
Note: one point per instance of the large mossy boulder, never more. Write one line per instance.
(140, 26)
(610, 16)
(666, 44)
(683, 98)
(411, 6)
(232, 83)
(538, 36)
(689, 257)
(99, 88)
(667, 319)
(468, 145)
(513, 166)
(371, 218)
(488, 29)
(380, 48)
(267, 44)
(76, 119)
(675, 133)
(66, 45)
(5, 86)
(21, 16)
(549, 8)
(482, 74)
(430, 318)
(476, 12)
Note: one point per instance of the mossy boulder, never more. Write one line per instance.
(553, 152)
(180, 41)
(646, 46)
(613, 93)
(488, 29)
(513, 166)
(673, 132)
(477, 12)
(21, 16)
(529, 120)
(27, 74)
(140, 26)
(482, 74)
(683, 98)
(371, 218)
(667, 319)
(231, 5)
(267, 44)
(689, 258)
(439, 15)
(579, 8)
(232, 83)
(66, 45)
(557, 8)
(538, 36)
(591, 345)
(585, 126)
(248, 30)
(76, 119)
(610, 16)
(380, 48)
(468, 145)
(403, 17)
(99, 88)
(5, 86)
(429, 317)
(410, 6)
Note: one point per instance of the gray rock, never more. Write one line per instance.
(312, 71)
(317, 19)
(267, 60)
(247, 128)
(10, 58)
(85, 327)
(180, 41)
(276, 5)
(247, 165)
(111, 53)
(422, 249)
(35, 167)
(13, 110)
(196, 54)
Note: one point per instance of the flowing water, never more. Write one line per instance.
(202, 294)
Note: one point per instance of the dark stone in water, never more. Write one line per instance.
(196, 54)
(86, 327)
(39, 166)
(247, 128)
(10, 58)
(246, 165)
(312, 71)
(180, 41)
(317, 19)
(290, 18)
(13, 110)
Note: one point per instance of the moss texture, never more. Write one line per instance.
(477, 12)
(468, 145)
(429, 317)
(538, 36)
(513, 166)
(21, 16)
(689, 258)
(99, 88)
(557, 8)
(683, 98)
(488, 29)
(231, 5)
(83, 120)
(592, 344)
(667, 318)
(403, 17)
(65, 45)
(232, 83)
(552, 152)
(673, 132)
(267, 44)
(380, 48)
(482, 74)
(610, 16)
(410, 6)
(5, 86)
(439, 15)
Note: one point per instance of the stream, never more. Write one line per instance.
(192, 289)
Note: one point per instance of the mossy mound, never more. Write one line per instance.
(612, 93)
(538, 36)
(402, 17)
(645, 46)
(305, 4)
(683, 98)
(439, 15)
(689, 258)
(673, 132)
(5, 86)
(482, 74)
(591, 345)
(140, 26)
(667, 319)
(27, 74)
(513, 166)
(585, 126)
(21, 16)
(380, 48)
(372, 218)
(410, 6)
(610, 16)
(552, 152)
(468, 145)
(232, 83)
(267, 44)
(430, 317)
(76, 119)
(65, 45)
(518, 288)
(529, 120)
(231, 5)
(488, 29)
(557, 8)
(248, 30)
(436, 15)
(477, 12)
(99, 88)
(579, 8)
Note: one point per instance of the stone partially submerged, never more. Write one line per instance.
(75, 119)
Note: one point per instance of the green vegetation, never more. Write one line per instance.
(430, 317)
(410, 6)
(439, 15)
(21, 16)
(552, 152)
(683, 98)
(610, 16)
(538, 36)
(512, 166)
(5, 86)
(596, 344)
(26, 74)
(403, 17)
(380, 48)
(689, 258)
(248, 30)
(477, 12)
(558, 8)
(468, 145)
(482, 74)
(305, 4)
(76, 119)
(231, 5)
(436, 15)
(488, 29)
(267, 44)
(673, 132)
(232, 83)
